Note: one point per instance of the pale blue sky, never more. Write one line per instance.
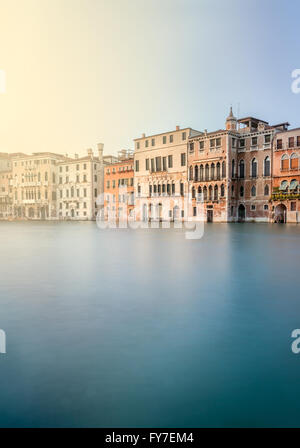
(84, 71)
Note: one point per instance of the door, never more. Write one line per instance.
(210, 215)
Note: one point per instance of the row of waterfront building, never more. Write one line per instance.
(248, 171)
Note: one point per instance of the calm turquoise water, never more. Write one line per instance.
(145, 328)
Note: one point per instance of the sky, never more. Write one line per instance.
(80, 72)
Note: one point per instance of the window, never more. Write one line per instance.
(253, 191)
(285, 162)
(291, 142)
(266, 190)
(137, 165)
(152, 142)
(164, 139)
(298, 140)
(191, 173)
(164, 163)
(147, 164)
(194, 211)
(201, 145)
(170, 161)
(254, 168)
(191, 147)
(183, 159)
(183, 136)
(158, 163)
(267, 166)
(171, 138)
(242, 169)
(181, 189)
(137, 145)
(233, 168)
(266, 207)
(146, 143)
(173, 188)
(212, 144)
(268, 138)
(218, 142)
(241, 191)
(293, 206)
(294, 161)
(242, 143)
(223, 170)
(253, 207)
(254, 141)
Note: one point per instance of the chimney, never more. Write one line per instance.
(177, 128)
(205, 132)
(143, 135)
(76, 156)
(90, 152)
(100, 147)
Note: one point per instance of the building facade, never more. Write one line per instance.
(285, 199)
(230, 171)
(160, 175)
(119, 188)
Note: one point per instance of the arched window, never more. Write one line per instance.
(210, 190)
(223, 170)
(193, 193)
(253, 190)
(284, 184)
(199, 193)
(196, 172)
(242, 191)
(168, 189)
(222, 190)
(267, 166)
(294, 161)
(216, 193)
(159, 189)
(233, 168)
(267, 190)
(212, 171)
(181, 189)
(163, 188)
(207, 172)
(201, 173)
(150, 190)
(218, 171)
(205, 193)
(191, 172)
(242, 169)
(173, 188)
(254, 168)
(285, 162)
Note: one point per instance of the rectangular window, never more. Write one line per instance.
(137, 145)
(164, 164)
(201, 145)
(218, 142)
(268, 138)
(291, 142)
(147, 164)
(170, 161)
(158, 163)
(194, 211)
(183, 159)
(146, 143)
(152, 165)
(254, 141)
(171, 138)
(253, 207)
(298, 140)
(137, 165)
(212, 143)
(152, 142)
(242, 143)
(293, 206)
(183, 136)
(279, 143)
(164, 139)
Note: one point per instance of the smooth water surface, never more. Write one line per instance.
(118, 328)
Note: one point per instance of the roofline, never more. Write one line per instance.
(241, 120)
(167, 132)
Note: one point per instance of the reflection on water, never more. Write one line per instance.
(146, 328)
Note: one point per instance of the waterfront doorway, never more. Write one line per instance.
(280, 214)
(241, 213)
(210, 215)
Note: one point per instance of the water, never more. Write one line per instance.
(145, 328)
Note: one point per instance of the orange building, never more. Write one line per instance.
(119, 188)
(286, 177)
